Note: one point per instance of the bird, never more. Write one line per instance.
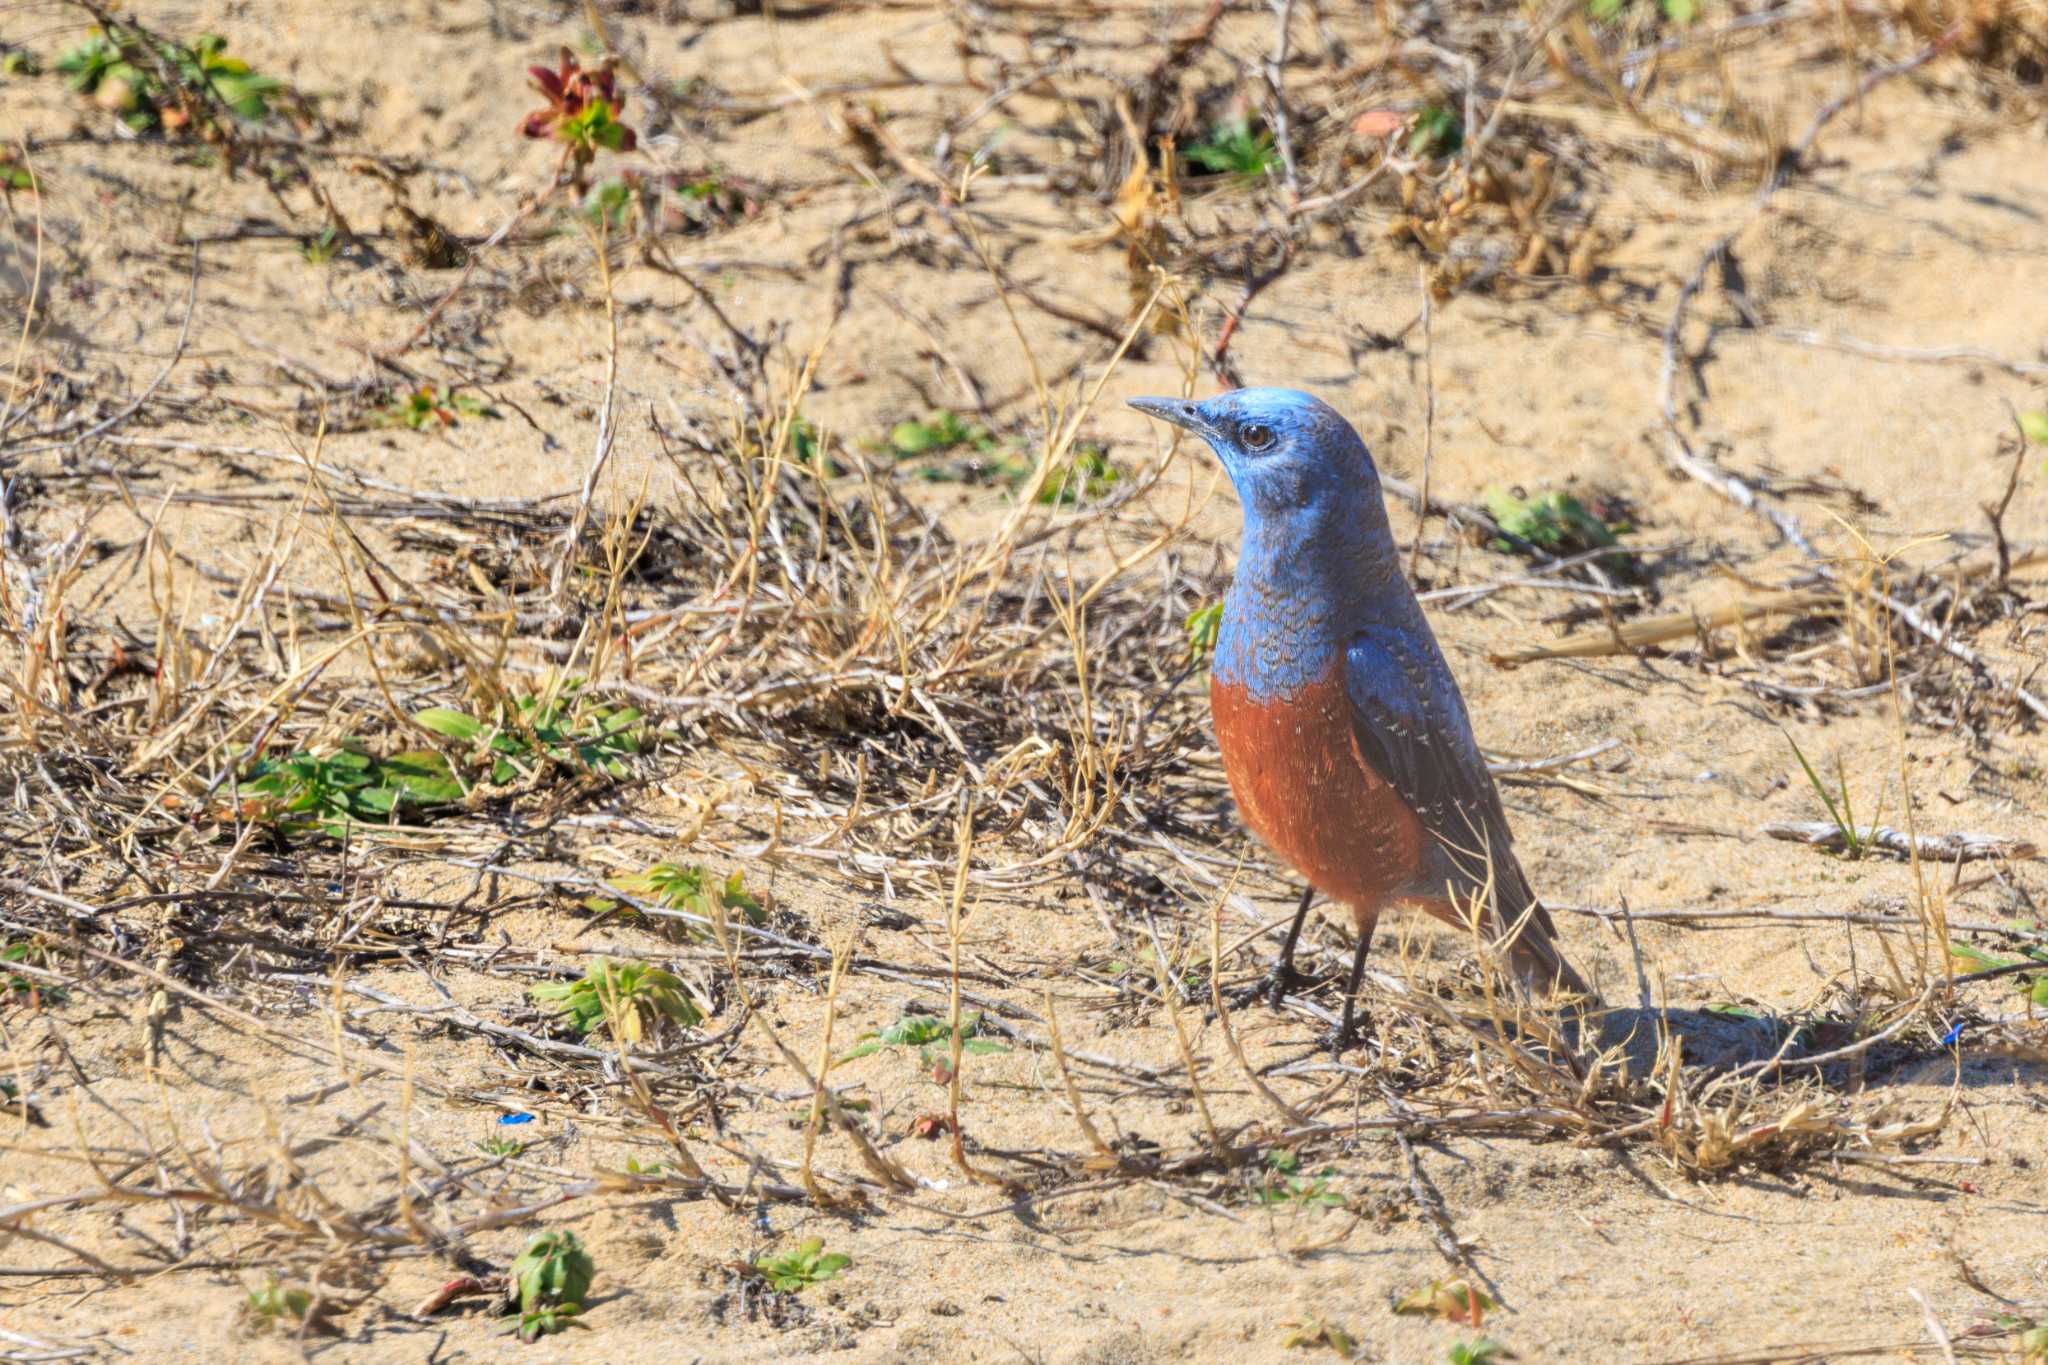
(1344, 737)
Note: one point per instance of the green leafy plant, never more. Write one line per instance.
(1967, 958)
(350, 786)
(566, 727)
(1235, 148)
(550, 1279)
(98, 67)
(1301, 1192)
(430, 405)
(15, 175)
(582, 111)
(703, 201)
(1556, 523)
(1482, 1352)
(795, 1271)
(121, 70)
(609, 203)
(1680, 12)
(1088, 474)
(1437, 132)
(16, 986)
(688, 888)
(1839, 809)
(633, 996)
(2033, 1337)
(1204, 624)
(1304, 1192)
(322, 247)
(500, 1146)
(246, 94)
(808, 446)
(940, 431)
(544, 1322)
(1448, 1301)
(924, 1032)
(1310, 1334)
(275, 1304)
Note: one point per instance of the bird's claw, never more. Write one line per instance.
(1278, 983)
(1352, 1033)
(1273, 988)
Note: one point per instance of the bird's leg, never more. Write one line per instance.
(1344, 1030)
(1282, 978)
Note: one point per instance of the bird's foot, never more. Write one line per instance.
(1353, 1032)
(1273, 988)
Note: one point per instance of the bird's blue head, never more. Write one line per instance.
(1317, 558)
(1299, 469)
(1285, 450)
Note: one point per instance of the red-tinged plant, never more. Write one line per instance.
(582, 111)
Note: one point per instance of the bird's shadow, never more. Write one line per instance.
(1713, 1040)
(1716, 1041)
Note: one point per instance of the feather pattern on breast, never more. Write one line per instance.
(1305, 789)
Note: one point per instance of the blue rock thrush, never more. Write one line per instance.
(1343, 734)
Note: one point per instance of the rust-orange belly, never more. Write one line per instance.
(1304, 788)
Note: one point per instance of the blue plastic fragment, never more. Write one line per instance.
(509, 1119)
(1949, 1039)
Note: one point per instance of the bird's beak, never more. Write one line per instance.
(1179, 411)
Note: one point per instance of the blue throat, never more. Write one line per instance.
(1303, 589)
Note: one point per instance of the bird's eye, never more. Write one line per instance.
(1256, 437)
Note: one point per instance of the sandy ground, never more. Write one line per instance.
(1894, 277)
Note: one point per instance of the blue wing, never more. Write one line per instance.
(1411, 726)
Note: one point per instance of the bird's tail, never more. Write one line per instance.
(1494, 886)
(1532, 946)
(1538, 960)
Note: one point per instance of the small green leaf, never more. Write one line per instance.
(1234, 149)
(2035, 427)
(274, 1301)
(377, 801)
(1204, 624)
(449, 724)
(912, 438)
(1438, 132)
(808, 1264)
(553, 1271)
(1090, 474)
(1478, 1353)
(422, 776)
